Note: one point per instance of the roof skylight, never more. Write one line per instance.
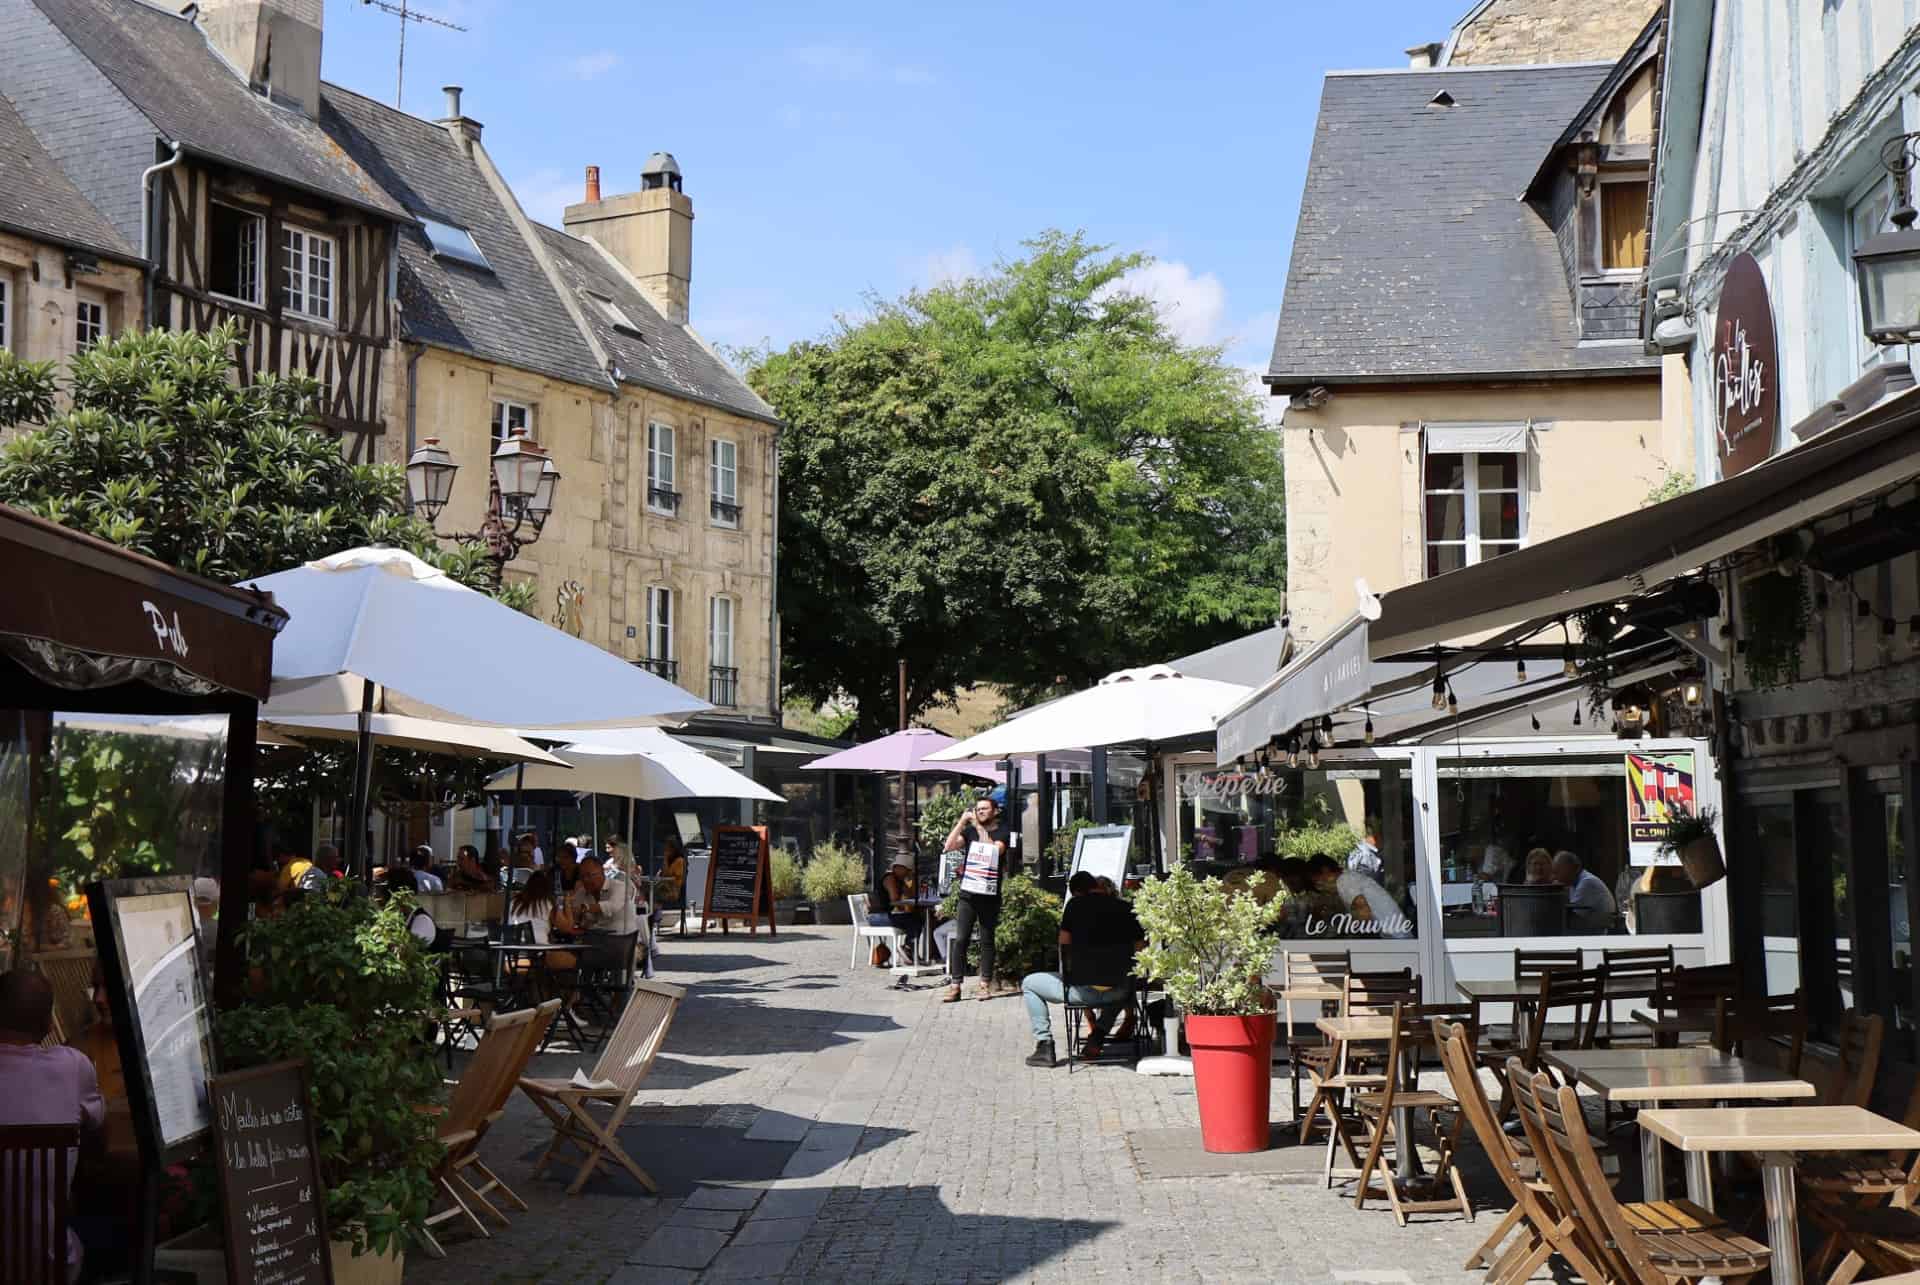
(450, 242)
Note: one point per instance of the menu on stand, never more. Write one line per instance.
(737, 885)
(271, 1198)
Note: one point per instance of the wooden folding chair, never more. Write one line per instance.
(1310, 970)
(479, 1099)
(1583, 992)
(34, 1174)
(1672, 1254)
(1772, 1029)
(70, 972)
(1367, 995)
(1852, 1083)
(1635, 972)
(623, 1064)
(1378, 1111)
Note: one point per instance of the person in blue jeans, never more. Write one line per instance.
(1095, 917)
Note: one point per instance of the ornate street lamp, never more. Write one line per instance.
(1888, 266)
(521, 488)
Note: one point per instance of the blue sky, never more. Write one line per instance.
(837, 150)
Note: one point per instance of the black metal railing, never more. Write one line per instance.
(725, 512)
(663, 498)
(667, 669)
(723, 685)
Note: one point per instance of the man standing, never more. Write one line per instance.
(1590, 906)
(1095, 919)
(982, 837)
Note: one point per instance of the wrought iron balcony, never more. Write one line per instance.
(725, 513)
(723, 685)
(667, 669)
(663, 498)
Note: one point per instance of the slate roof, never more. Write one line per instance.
(164, 66)
(1414, 258)
(662, 356)
(38, 199)
(512, 314)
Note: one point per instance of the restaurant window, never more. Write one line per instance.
(234, 238)
(1476, 507)
(662, 497)
(307, 260)
(89, 323)
(1504, 823)
(1621, 228)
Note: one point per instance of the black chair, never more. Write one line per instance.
(1108, 966)
(1532, 910)
(34, 1169)
(605, 979)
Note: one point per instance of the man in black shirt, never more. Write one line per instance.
(983, 837)
(1094, 920)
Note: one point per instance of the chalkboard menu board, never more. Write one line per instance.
(738, 886)
(274, 1209)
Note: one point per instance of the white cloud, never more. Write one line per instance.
(943, 267)
(851, 63)
(1193, 306)
(593, 65)
(546, 193)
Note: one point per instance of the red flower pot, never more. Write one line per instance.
(1233, 1078)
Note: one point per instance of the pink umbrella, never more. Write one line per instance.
(902, 752)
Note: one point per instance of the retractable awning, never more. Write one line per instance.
(1622, 557)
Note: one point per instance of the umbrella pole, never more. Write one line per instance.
(594, 803)
(506, 892)
(361, 804)
(632, 846)
(1153, 795)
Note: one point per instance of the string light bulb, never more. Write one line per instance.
(1576, 713)
(1439, 690)
(1326, 729)
(1520, 669)
(1453, 702)
(1313, 758)
(1369, 731)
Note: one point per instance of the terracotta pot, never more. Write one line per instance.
(366, 1269)
(1703, 862)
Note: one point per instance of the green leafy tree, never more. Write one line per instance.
(158, 448)
(1022, 478)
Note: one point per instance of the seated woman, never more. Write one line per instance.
(533, 904)
(673, 873)
(891, 905)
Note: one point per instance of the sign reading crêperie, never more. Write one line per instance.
(1745, 369)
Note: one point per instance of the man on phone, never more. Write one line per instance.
(983, 837)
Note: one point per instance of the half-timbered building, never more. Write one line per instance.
(198, 135)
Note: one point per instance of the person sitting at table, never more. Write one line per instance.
(424, 879)
(1093, 919)
(522, 860)
(44, 1086)
(473, 873)
(1370, 908)
(566, 866)
(1538, 871)
(328, 858)
(603, 906)
(1589, 904)
(891, 905)
(535, 906)
(673, 872)
(419, 919)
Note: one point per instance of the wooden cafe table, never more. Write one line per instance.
(1346, 1031)
(1775, 1135)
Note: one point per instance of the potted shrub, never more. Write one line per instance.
(341, 983)
(834, 874)
(785, 874)
(1210, 949)
(1691, 837)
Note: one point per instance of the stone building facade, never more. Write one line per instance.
(1516, 32)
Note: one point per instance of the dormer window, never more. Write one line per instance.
(1620, 223)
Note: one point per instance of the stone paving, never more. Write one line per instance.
(808, 1122)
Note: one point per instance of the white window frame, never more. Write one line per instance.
(89, 323)
(661, 462)
(501, 421)
(729, 473)
(1470, 494)
(1866, 353)
(257, 284)
(6, 312)
(718, 656)
(301, 293)
(659, 639)
(1599, 238)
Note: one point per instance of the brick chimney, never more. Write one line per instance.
(275, 44)
(649, 231)
(465, 128)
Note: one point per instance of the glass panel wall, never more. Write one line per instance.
(1767, 823)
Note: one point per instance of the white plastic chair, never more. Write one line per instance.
(862, 930)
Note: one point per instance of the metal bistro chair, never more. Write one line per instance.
(34, 1169)
(1107, 966)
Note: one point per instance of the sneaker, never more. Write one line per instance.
(1042, 1054)
(951, 994)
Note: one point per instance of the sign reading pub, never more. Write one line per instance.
(1744, 372)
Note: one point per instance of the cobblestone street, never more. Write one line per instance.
(806, 1122)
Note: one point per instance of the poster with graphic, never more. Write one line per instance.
(981, 874)
(1658, 785)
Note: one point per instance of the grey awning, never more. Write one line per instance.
(1481, 439)
(1328, 678)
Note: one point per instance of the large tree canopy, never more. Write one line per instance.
(161, 451)
(1021, 478)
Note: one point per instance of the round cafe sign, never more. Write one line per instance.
(1744, 370)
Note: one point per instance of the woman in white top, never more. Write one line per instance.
(533, 904)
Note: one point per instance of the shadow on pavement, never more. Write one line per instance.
(945, 1245)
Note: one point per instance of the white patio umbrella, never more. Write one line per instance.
(380, 631)
(1145, 706)
(639, 763)
(402, 731)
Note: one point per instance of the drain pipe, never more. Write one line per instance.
(146, 230)
(413, 392)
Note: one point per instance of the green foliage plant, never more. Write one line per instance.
(1685, 827)
(1206, 946)
(938, 814)
(834, 871)
(1060, 847)
(1308, 839)
(1774, 611)
(340, 982)
(1673, 483)
(784, 870)
(1027, 938)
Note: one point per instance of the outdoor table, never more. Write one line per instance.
(1524, 993)
(1377, 1030)
(1668, 1029)
(566, 1010)
(1776, 1135)
(928, 962)
(1642, 1077)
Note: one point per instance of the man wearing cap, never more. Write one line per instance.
(892, 904)
(984, 839)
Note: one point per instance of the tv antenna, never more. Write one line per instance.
(406, 15)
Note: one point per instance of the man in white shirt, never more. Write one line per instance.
(424, 878)
(603, 904)
(1371, 908)
(1588, 901)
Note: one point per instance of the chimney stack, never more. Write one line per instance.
(1423, 56)
(465, 128)
(275, 44)
(650, 231)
